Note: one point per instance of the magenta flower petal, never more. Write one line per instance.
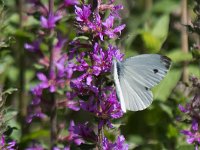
(52, 88)
(83, 14)
(70, 2)
(109, 22)
(89, 80)
(190, 140)
(181, 108)
(195, 125)
(50, 21)
(41, 77)
(119, 28)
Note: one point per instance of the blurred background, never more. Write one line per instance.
(152, 26)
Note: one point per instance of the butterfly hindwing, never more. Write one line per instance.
(137, 75)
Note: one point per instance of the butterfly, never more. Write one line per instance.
(136, 76)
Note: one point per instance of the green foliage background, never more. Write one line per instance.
(151, 27)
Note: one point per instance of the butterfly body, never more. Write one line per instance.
(134, 78)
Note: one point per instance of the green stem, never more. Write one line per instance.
(22, 101)
(184, 37)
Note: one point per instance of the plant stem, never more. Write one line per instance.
(184, 37)
(51, 5)
(53, 115)
(148, 4)
(100, 138)
(22, 101)
(100, 131)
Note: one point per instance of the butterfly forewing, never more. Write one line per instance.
(137, 75)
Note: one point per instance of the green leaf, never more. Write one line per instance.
(13, 73)
(151, 42)
(38, 66)
(81, 38)
(163, 90)
(166, 6)
(36, 135)
(9, 91)
(196, 53)
(172, 131)
(176, 56)
(167, 109)
(194, 70)
(186, 147)
(154, 38)
(160, 30)
(23, 34)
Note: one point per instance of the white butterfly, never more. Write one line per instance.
(134, 78)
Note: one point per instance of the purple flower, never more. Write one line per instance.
(35, 147)
(109, 31)
(69, 70)
(103, 58)
(82, 87)
(195, 125)
(102, 61)
(82, 64)
(96, 27)
(110, 106)
(65, 148)
(106, 109)
(34, 47)
(107, 145)
(60, 43)
(70, 2)
(118, 145)
(7, 145)
(192, 111)
(101, 29)
(35, 112)
(50, 21)
(82, 15)
(69, 102)
(81, 133)
(192, 137)
(115, 11)
(51, 83)
(109, 109)
(37, 90)
(182, 108)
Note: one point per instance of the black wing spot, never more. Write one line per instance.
(146, 88)
(166, 61)
(155, 71)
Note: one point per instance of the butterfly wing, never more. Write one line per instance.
(137, 75)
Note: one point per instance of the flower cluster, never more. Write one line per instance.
(82, 72)
(11, 145)
(56, 79)
(192, 111)
(49, 48)
(96, 25)
(118, 145)
(93, 64)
